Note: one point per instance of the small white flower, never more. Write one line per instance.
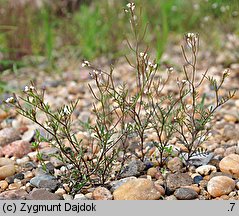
(184, 81)
(151, 65)
(10, 100)
(66, 110)
(97, 72)
(85, 63)
(226, 72)
(189, 35)
(142, 54)
(26, 89)
(170, 69)
(192, 39)
(131, 6)
(30, 88)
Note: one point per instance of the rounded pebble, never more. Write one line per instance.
(230, 165)
(152, 172)
(220, 185)
(3, 184)
(197, 179)
(101, 193)
(6, 171)
(185, 194)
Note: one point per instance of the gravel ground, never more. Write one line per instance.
(213, 176)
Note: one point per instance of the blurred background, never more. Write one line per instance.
(43, 31)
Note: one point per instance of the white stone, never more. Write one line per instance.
(206, 169)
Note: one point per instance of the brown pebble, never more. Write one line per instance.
(220, 185)
(6, 171)
(219, 151)
(230, 118)
(159, 176)
(159, 187)
(137, 189)
(29, 174)
(230, 150)
(101, 193)
(237, 185)
(203, 183)
(193, 187)
(14, 186)
(230, 165)
(89, 196)
(152, 172)
(3, 184)
(160, 182)
(60, 191)
(175, 164)
(224, 197)
(207, 177)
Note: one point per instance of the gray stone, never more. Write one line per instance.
(19, 176)
(134, 168)
(40, 171)
(19, 194)
(185, 194)
(28, 135)
(50, 167)
(43, 194)
(49, 152)
(36, 181)
(8, 135)
(29, 166)
(52, 185)
(45, 134)
(56, 162)
(230, 132)
(177, 180)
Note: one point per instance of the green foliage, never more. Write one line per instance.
(96, 28)
(91, 31)
(48, 30)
